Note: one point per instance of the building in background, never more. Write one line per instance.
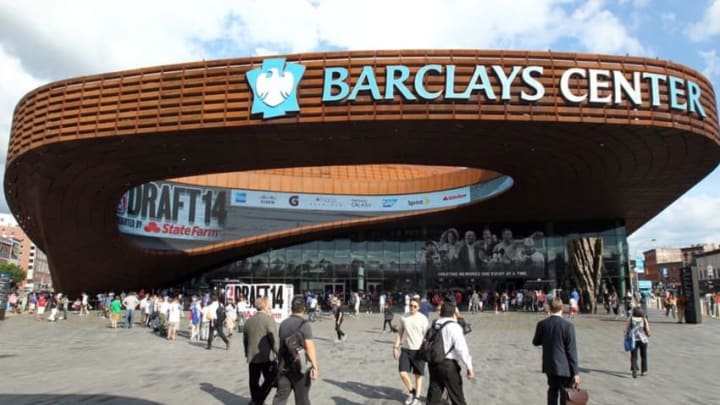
(664, 264)
(23, 252)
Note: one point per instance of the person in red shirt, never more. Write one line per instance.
(41, 304)
(458, 299)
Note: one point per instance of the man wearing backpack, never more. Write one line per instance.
(410, 335)
(444, 368)
(291, 377)
(215, 312)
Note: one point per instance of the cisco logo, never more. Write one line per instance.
(294, 200)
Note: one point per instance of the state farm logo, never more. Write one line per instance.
(420, 201)
(360, 203)
(454, 197)
(152, 226)
(294, 200)
(268, 199)
(182, 230)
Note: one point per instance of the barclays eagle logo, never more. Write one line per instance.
(274, 87)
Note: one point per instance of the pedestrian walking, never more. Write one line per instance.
(174, 314)
(84, 304)
(445, 375)
(261, 343)
(408, 340)
(215, 312)
(41, 304)
(290, 378)
(115, 311)
(339, 317)
(639, 327)
(130, 302)
(388, 317)
(559, 359)
(195, 318)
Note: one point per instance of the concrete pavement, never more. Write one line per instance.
(82, 360)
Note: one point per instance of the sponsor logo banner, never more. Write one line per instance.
(331, 202)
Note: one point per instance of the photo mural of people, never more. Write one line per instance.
(487, 257)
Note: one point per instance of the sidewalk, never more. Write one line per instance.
(82, 360)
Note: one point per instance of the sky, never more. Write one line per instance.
(48, 40)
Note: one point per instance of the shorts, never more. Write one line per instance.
(115, 317)
(173, 324)
(410, 362)
(41, 310)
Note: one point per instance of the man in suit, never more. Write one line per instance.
(559, 361)
(468, 253)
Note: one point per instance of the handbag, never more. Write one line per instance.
(576, 396)
(629, 341)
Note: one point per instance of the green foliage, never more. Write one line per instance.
(17, 273)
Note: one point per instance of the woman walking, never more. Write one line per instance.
(639, 327)
(175, 311)
(115, 311)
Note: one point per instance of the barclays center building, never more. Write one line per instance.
(406, 170)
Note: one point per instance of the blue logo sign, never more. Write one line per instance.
(240, 198)
(274, 87)
(388, 202)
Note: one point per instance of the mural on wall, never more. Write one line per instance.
(488, 255)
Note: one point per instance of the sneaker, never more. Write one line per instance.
(344, 338)
(634, 373)
(411, 400)
(415, 401)
(337, 340)
(644, 373)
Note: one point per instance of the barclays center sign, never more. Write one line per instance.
(275, 83)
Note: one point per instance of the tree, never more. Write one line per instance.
(586, 261)
(17, 273)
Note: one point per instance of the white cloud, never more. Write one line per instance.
(712, 63)
(708, 26)
(601, 31)
(690, 220)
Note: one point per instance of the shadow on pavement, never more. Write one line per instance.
(224, 396)
(618, 374)
(343, 401)
(18, 399)
(369, 391)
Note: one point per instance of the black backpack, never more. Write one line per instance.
(433, 346)
(293, 356)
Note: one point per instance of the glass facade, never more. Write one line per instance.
(486, 256)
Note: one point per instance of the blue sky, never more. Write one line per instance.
(45, 40)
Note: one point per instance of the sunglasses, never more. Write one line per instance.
(413, 306)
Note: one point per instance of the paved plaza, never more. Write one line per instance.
(81, 360)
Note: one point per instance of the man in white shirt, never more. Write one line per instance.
(410, 335)
(445, 375)
(130, 303)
